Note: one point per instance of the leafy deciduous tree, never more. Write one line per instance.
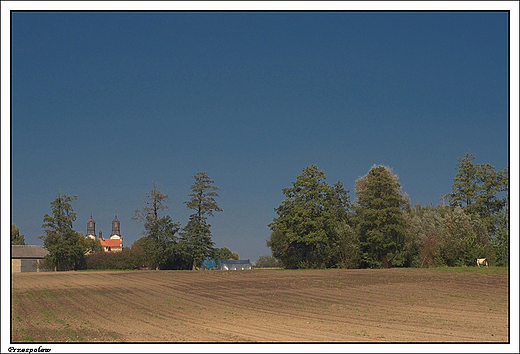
(481, 190)
(463, 239)
(346, 246)
(501, 246)
(160, 242)
(426, 228)
(224, 253)
(61, 240)
(16, 238)
(90, 245)
(266, 261)
(306, 219)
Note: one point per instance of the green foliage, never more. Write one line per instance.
(195, 242)
(61, 240)
(426, 228)
(90, 245)
(154, 202)
(16, 238)
(379, 218)
(277, 244)
(160, 243)
(345, 246)
(446, 236)
(143, 254)
(126, 259)
(306, 219)
(223, 253)
(266, 261)
(501, 246)
(481, 190)
(202, 198)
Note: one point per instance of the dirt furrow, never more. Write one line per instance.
(260, 306)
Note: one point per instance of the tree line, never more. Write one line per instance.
(317, 225)
(164, 245)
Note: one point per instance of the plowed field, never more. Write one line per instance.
(393, 305)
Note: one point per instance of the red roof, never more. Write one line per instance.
(111, 243)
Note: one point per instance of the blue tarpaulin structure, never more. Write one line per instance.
(231, 264)
(208, 263)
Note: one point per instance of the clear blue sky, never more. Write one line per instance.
(104, 104)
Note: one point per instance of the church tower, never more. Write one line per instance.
(116, 229)
(91, 228)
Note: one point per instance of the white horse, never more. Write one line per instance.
(482, 261)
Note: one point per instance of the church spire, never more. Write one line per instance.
(91, 226)
(116, 227)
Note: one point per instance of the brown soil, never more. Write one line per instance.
(393, 305)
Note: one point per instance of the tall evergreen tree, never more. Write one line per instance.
(196, 240)
(379, 218)
(60, 239)
(202, 196)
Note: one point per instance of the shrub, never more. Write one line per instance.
(266, 261)
(126, 259)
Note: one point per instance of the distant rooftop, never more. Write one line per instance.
(28, 251)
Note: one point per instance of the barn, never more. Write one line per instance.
(27, 258)
(231, 264)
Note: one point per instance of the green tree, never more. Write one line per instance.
(501, 245)
(464, 189)
(425, 230)
(160, 242)
(61, 240)
(196, 240)
(277, 242)
(379, 218)
(16, 238)
(302, 232)
(224, 253)
(154, 202)
(345, 246)
(266, 261)
(90, 245)
(463, 239)
(202, 196)
(126, 259)
(144, 255)
(481, 190)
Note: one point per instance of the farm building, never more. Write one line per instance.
(27, 258)
(208, 263)
(231, 264)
